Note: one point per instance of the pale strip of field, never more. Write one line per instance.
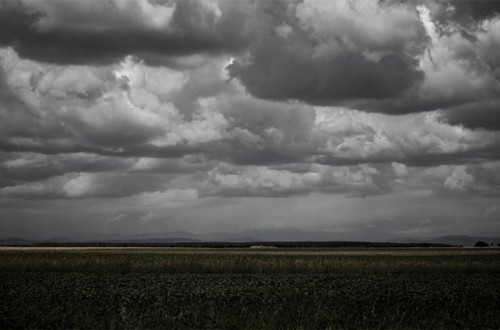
(270, 251)
(71, 248)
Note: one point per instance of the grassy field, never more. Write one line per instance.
(246, 288)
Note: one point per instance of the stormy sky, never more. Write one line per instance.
(362, 119)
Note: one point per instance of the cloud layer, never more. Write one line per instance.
(170, 109)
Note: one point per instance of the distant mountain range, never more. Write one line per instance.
(273, 235)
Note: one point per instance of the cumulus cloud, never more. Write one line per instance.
(490, 211)
(389, 57)
(264, 132)
(228, 180)
(423, 139)
(400, 170)
(170, 196)
(86, 185)
(332, 53)
(108, 109)
(458, 69)
(459, 179)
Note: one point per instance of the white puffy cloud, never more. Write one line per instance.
(362, 26)
(109, 106)
(79, 186)
(400, 169)
(348, 134)
(451, 77)
(459, 179)
(168, 197)
(228, 180)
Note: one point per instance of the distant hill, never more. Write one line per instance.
(13, 241)
(249, 236)
(458, 240)
(252, 235)
(156, 240)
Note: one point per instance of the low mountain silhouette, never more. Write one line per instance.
(254, 235)
(458, 240)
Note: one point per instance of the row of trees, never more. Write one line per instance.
(484, 244)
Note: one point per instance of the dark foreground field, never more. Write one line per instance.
(245, 288)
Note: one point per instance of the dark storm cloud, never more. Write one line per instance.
(412, 102)
(485, 114)
(325, 82)
(406, 60)
(461, 65)
(16, 166)
(467, 11)
(105, 31)
(322, 61)
(365, 55)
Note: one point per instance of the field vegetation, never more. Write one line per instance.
(249, 288)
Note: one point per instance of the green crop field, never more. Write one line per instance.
(249, 288)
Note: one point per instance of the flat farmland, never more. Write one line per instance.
(249, 288)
